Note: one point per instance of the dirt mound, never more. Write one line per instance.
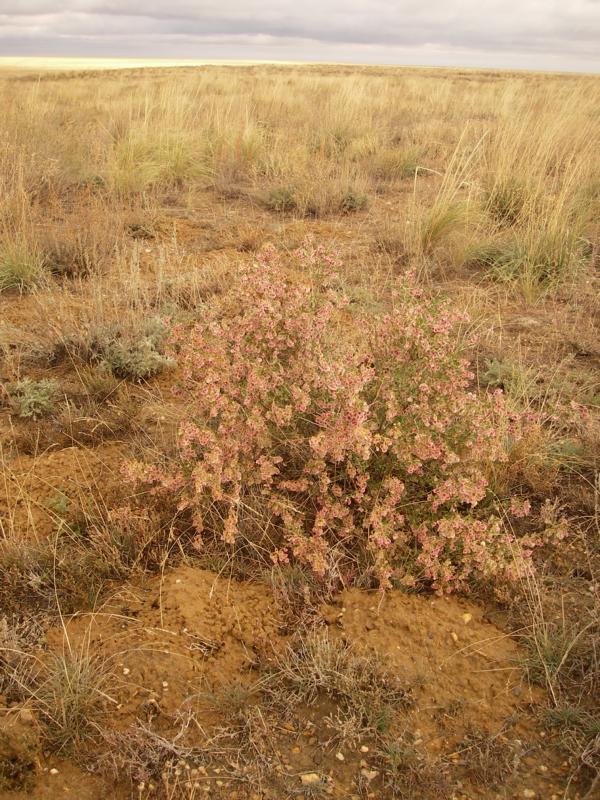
(459, 664)
(193, 645)
(170, 639)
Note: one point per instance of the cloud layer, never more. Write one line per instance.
(543, 34)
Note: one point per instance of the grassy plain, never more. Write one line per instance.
(134, 663)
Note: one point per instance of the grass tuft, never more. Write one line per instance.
(22, 268)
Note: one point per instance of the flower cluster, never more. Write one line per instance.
(338, 438)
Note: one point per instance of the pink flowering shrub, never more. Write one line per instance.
(342, 438)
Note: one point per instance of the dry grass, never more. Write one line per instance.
(519, 148)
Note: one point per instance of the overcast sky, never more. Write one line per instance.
(537, 34)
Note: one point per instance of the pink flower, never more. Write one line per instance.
(519, 507)
(337, 445)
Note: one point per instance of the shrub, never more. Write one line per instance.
(121, 349)
(137, 357)
(336, 451)
(29, 398)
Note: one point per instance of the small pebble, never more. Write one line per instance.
(53, 771)
(126, 670)
(26, 716)
(364, 749)
(467, 618)
(340, 756)
(528, 793)
(369, 774)
(310, 778)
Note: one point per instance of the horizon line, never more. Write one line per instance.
(177, 61)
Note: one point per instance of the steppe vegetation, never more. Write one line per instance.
(299, 433)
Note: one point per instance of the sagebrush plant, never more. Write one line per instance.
(139, 355)
(130, 350)
(30, 398)
(338, 451)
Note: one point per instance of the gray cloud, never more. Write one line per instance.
(531, 33)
